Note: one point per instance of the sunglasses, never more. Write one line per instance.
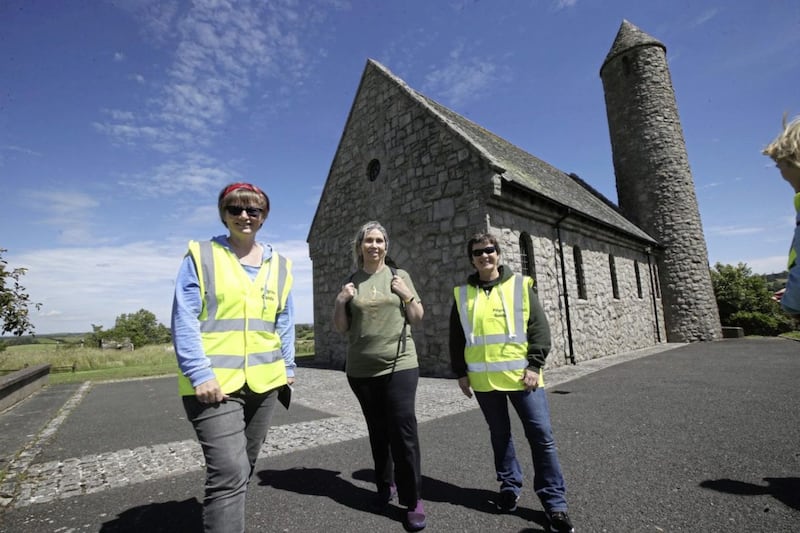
(236, 210)
(489, 250)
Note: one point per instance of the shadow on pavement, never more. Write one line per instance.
(169, 516)
(784, 489)
(320, 482)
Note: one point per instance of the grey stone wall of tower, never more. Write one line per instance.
(655, 187)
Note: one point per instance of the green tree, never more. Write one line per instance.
(745, 300)
(140, 327)
(96, 336)
(14, 301)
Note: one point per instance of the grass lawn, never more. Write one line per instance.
(94, 364)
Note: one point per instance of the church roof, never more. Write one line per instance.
(518, 166)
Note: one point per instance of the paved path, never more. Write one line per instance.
(674, 438)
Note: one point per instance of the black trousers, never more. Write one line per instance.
(388, 406)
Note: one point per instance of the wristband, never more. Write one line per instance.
(406, 302)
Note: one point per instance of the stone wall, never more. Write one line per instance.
(654, 182)
(600, 324)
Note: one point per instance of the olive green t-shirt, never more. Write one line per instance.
(376, 322)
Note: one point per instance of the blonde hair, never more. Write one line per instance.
(786, 146)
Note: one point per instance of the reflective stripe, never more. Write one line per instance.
(236, 324)
(519, 332)
(263, 358)
(485, 340)
(256, 324)
(209, 277)
(234, 362)
(465, 325)
(283, 273)
(502, 366)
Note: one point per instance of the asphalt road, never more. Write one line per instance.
(703, 437)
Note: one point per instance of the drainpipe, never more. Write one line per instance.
(564, 285)
(653, 294)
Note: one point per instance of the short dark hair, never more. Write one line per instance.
(481, 238)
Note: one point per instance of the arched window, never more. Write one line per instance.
(638, 279)
(526, 256)
(612, 268)
(577, 258)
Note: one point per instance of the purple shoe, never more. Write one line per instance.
(415, 517)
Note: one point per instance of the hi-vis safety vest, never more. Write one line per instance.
(237, 322)
(795, 245)
(495, 328)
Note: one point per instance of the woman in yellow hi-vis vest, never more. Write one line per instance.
(499, 339)
(785, 151)
(233, 331)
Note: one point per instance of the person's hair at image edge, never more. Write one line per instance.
(243, 195)
(786, 146)
(481, 238)
(359, 238)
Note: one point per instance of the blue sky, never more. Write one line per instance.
(121, 120)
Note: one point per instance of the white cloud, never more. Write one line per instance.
(766, 265)
(19, 149)
(69, 213)
(461, 78)
(735, 230)
(704, 17)
(564, 4)
(220, 51)
(81, 286)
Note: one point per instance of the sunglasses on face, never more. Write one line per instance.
(489, 250)
(235, 211)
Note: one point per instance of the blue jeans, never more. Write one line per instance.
(231, 434)
(534, 413)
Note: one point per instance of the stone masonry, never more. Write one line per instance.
(654, 182)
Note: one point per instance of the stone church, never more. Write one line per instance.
(610, 278)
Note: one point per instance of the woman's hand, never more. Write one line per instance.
(463, 383)
(530, 380)
(347, 293)
(210, 392)
(400, 288)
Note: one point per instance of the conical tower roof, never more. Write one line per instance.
(629, 36)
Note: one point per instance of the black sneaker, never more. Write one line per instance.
(560, 522)
(507, 501)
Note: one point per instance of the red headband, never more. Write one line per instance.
(232, 187)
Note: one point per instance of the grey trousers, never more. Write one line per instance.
(231, 434)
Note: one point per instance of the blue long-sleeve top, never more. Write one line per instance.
(187, 305)
(790, 301)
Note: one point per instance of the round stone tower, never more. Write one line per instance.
(655, 187)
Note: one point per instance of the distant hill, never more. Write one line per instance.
(776, 281)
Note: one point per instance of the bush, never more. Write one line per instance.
(757, 323)
(744, 300)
